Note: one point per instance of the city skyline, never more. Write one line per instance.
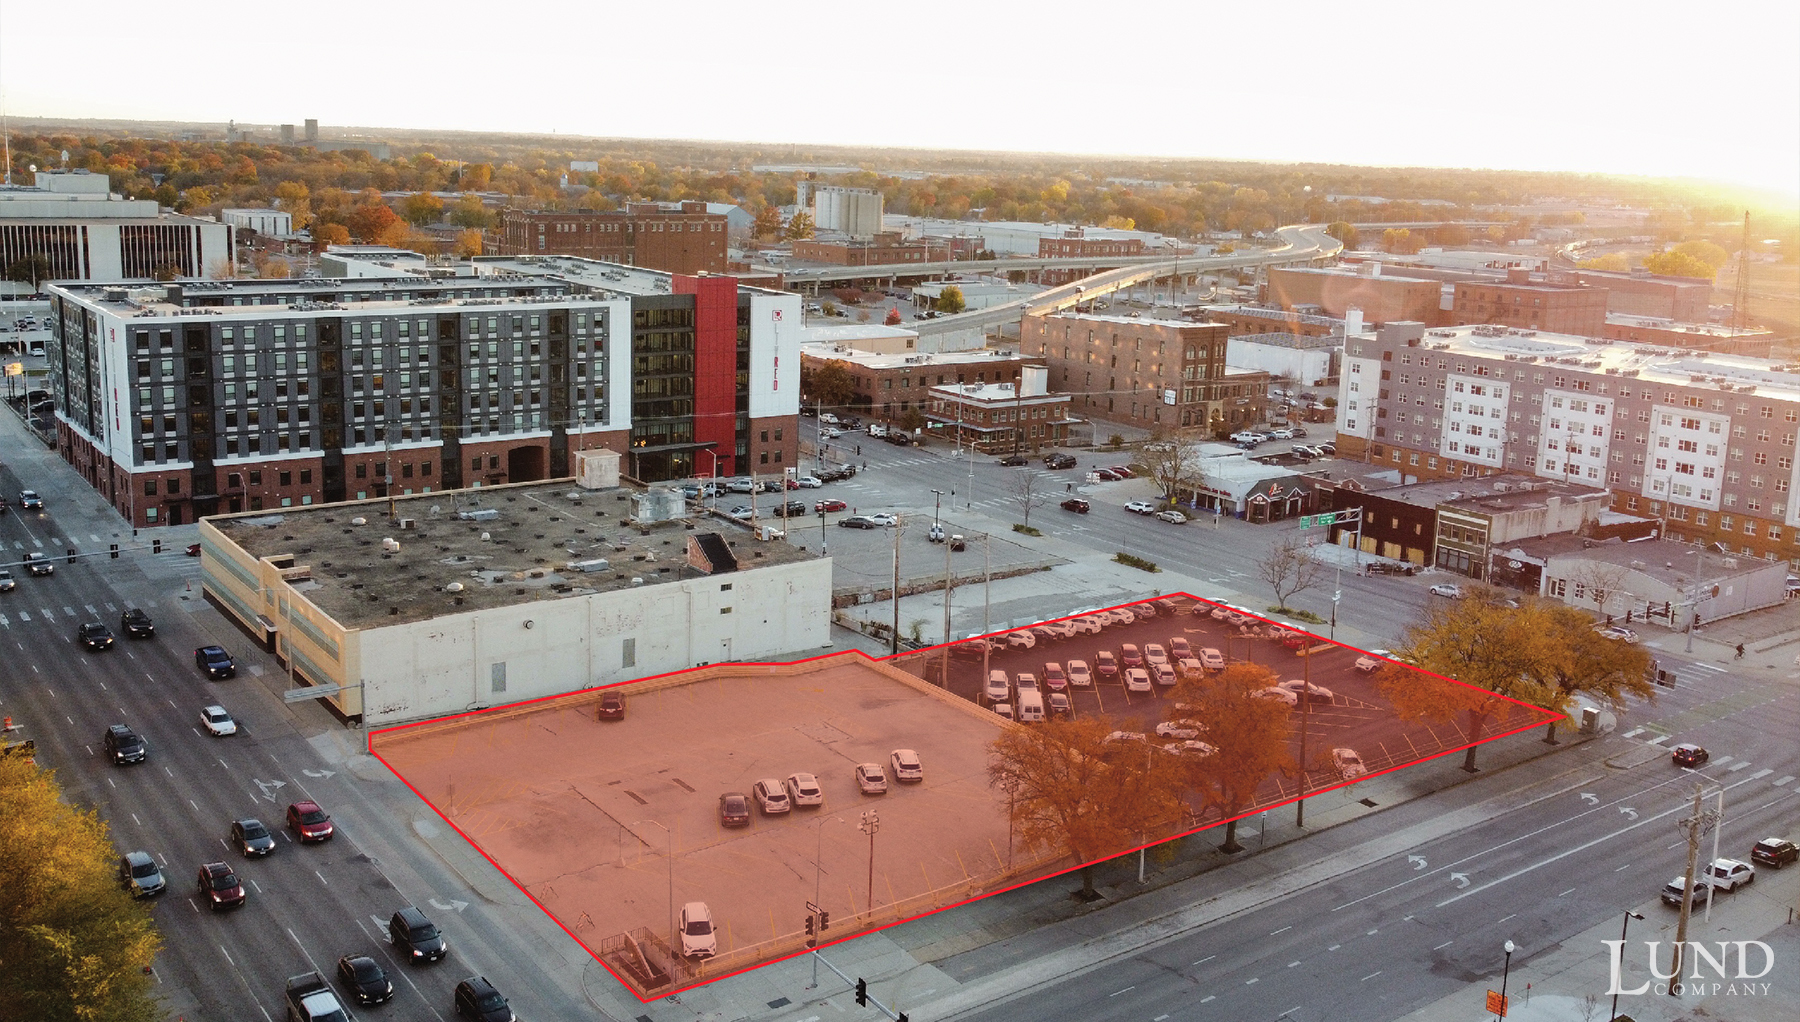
(1355, 88)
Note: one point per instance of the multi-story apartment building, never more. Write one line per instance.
(1704, 442)
(1153, 373)
(177, 401)
(675, 238)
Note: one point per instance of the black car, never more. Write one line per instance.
(858, 522)
(38, 563)
(734, 809)
(136, 624)
(1076, 504)
(365, 979)
(94, 635)
(215, 662)
(1687, 754)
(793, 509)
(1774, 851)
(476, 998)
(252, 838)
(1059, 460)
(899, 439)
(1014, 460)
(612, 706)
(415, 938)
(123, 745)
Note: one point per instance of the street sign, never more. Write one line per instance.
(1350, 517)
(1496, 1004)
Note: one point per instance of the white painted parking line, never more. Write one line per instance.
(1633, 733)
(1658, 740)
(95, 538)
(1761, 773)
(1782, 782)
(24, 616)
(1739, 765)
(68, 610)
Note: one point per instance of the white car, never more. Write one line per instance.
(907, 766)
(1180, 729)
(809, 482)
(1079, 675)
(1280, 695)
(1059, 629)
(1142, 507)
(1189, 748)
(1172, 517)
(7, 582)
(1118, 616)
(739, 486)
(772, 796)
(1004, 710)
(998, 690)
(1212, 659)
(1025, 681)
(217, 722)
(1281, 434)
(1448, 590)
(1086, 625)
(803, 790)
(698, 940)
(1164, 674)
(1730, 874)
(1021, 640)
(1619, 632)
(1369, 664)
(884, 518)
(1137, 680)
(1155, 654)
(742, 513)
(1347, 763)
(1314, 692)
(1123, 736)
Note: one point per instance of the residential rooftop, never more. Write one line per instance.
(1101, 317)
(481, 548)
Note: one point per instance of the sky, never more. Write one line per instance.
(1707, 90)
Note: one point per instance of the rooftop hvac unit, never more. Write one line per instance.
(486, 514)
(408, 524)
(597, 564)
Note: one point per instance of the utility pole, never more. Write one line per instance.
(894, 646)
(1305, 725)
(870, 824)
(987, 576)
(948, 581)
(1695, 826)
(1693, 608)
(1740, 301)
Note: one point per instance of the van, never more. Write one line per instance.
(1031, 706)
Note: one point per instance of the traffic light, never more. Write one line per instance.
(809, 925)
(824, 921)
(115, 551)
(862, 992)
(156, 546)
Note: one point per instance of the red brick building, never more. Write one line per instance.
(674, 238)
(883, 249)
(1077, 246)
(1526, 304)
(1382, 297)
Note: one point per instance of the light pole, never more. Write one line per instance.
(1305, 725)
(936, 507)
(818, 876)
(1509, 948)
(1693, 609)
(1623, 925)
(870, 824)
(674, 945)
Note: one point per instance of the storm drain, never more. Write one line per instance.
(780, 1002)
(1368, 802)
(684, 784)
(635, 797)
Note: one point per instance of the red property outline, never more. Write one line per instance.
(1546, 717)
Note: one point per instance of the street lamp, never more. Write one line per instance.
(1623, 925)
(674, 945)
(818, 876)
(1509, 948)
(870, 824)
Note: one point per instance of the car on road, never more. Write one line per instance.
(217, 722)
(830, 504)
(1212, 659)
(364, 977)
(139, 874)
(803, 790)
(1014, 460)
(38, 563)
(309, 822)
(1687, 754)
(1314, 692)
(1172, 517)
(612, 706)
(1730, 874)
(252, 838)
(1106, 664)
(1054, 678)
(1448, 590)
(907, 766)
(30, 501)
(415, 938)
(1775, 851)
(698, 939)
(1347, 763)
(1059, 460)
(1137, 680)
(7, 582)
(884, 518)
(771, 796)
(124, 745)
(1021, 639)
(1077, 505)
(1619, 632)
(94, 636)
(136, 624)
(871, 779)
(1671, 895)
(734, 809)
(791, 509)
(477, 999)
(220, 886)
(1130, 655)
(858, 522)
(215, 662)
(1141, 507)
(1078, 673)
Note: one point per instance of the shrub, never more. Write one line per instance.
(1135, 561)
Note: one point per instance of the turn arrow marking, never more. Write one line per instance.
(454, 904)
(1628, 811)
(1418, 862)
(318, 773)
(1462, 880)
(1590, 798)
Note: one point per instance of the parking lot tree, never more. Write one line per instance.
(831, 385)
(1289, 569)
(75, 947)
(1249, 733)
(1480, 642)
(1029, 491)
(1572, 658)
(1066, 788)
(799, 226)
(950, 300)
(892, 318)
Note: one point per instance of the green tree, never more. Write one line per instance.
(1344, 233)
(470, 213)
(1614, 262)
(800, 227)
(1401, 241)
(950, 300)
(1675, 263)
(768, 224)
(1705, 251)
(421, 208)
(29, 270)
(75, 947)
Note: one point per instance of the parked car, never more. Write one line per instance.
(884, 519)
(1014, 460)
(1687, 754)
(1619, 632)
(1087, 624)
(217, 722)
(1448, 590)
(1163, 674)
(1212, 659)
(804, 790)
(309, 822)
(743, 513)
(1021, 639)
(698, 939)
(1122, 472)
(871, 779)
(1155, 654)
(612, 706)
(734, 809)
(830, 504)
(998, 689)
(1730, 874)
(1171, 516)
(1130, 655)
(220, 886)
(1077, 505)
(1180, 729)
(1054, 678)
(7, 582)
(1141, 507)
(808, 482)
(415, 938)
(1314, 692)
(792, 509)
(1106, 664)
(1137, 680)
(1277, 693)
(1059, 703)
(771, 796)
(858, 522)
(1775, 851)
(907, 766)
(215, 662)
(1107, 475)
(136, 624)
(1078, 674)
(1672, 894)
(1347, 763)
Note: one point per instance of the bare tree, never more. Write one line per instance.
(1599, 582)
(1173, 462)
(1290, 569)
(1027, 488)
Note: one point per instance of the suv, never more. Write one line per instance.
(136, 624)
(1059, 460)
(698, 939)
(413, 935)
(1077, 505)
(771, 796)
(139, 875)
(124, 746)
(220, 886)
(476, 998)
(310, 822)
(612, 706)
(215, 662)
(1775, 851)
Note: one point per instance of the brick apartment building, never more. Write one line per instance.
(1077, 245)
(1156, 374)
(1527, 304)
(674, 238)
(1704, 442)
(1382, 297)
(1002, 418)
(179, 401)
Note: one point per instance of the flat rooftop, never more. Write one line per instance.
(1520, 491)
(1664, 560)
(1709, 330)
(1101, 317)
(517, 548)
(901, 359)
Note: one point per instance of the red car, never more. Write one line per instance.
(1130, 655)
(830, 505)
(220, 886)
(310, 822)
(1122, 472)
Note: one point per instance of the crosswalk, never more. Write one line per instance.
(59, 542)
(49, 614)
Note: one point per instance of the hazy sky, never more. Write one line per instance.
(1708, 90)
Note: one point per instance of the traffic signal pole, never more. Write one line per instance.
(863, 997)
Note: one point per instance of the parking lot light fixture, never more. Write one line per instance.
(674, 939)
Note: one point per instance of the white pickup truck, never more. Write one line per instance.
(311, 999)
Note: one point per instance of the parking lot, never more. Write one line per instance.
(583, 813)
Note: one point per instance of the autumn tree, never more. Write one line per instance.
(421, 208)
(293, 198)
(469, 212)
(892, 318)
(800, 227)
(1676, 263)
(1027, 490)
(1249, 736)
(1346, 234)
(768, 224)
(330, 234)
(468, 244)
(476, 177)
(1612, 262)
(950, 300)
(1401, 241)
(75, 947)
(1571, 657)
(1065, 789)
(370, 220)
(1290, 569)
(1706, 252)
(831, 385)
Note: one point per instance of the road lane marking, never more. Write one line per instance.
(1569, 891)
(1370, 976)
(1633, 733)
(1739, 765)
(1284, 929)
(1761, 773)
(1292, 964)
(1253, 979)
(227, 955)
(1623, 868)
(1444, 945)
(1658, 740)
(1203, 1000)
(1515, 914)
(1334, 947)
(1128, 989)
(1208, 958)
(257, 886)
(321, 877)
(1783, 781)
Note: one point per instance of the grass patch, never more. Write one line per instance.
(1299, 615)
(1027, 530)
(1135, 561)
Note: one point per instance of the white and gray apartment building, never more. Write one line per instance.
(177, 401)
(1702, 441)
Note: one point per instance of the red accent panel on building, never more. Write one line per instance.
(715, 367)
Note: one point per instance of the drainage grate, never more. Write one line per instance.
(1366, 801)
(639, 799)
(644, 1018)
(685, 786)
(780, 1002)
